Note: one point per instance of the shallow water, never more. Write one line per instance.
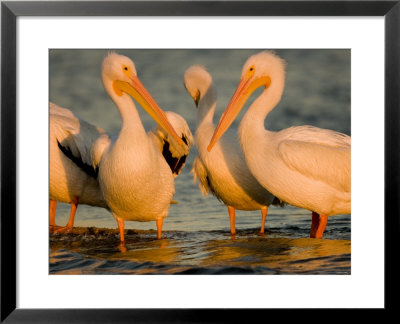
(203, 252)
(196, 235)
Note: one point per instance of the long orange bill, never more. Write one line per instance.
(137, 90)
(232, 110)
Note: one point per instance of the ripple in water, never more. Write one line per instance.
(202, 252)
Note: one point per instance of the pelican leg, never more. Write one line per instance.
(68, 228)
(159, 223)
(264, 211)
(52, 212)
(121, 227)
(52, 215)
(231, 212)
(318, 225)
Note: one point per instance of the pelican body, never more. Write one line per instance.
(223, 171)
(135, 179)
(305, 166)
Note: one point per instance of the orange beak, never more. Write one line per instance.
(137, 90)
(232, 110)
(246, 87)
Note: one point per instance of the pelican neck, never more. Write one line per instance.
(131, 123)
(206, 108)
(253, 119)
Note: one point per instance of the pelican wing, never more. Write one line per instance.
(59, 111)
(174, 153)
(311, 134)
(200, 176)
(98, 148)
(328, 163)
(74, 137)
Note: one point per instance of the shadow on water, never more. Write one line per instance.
(94, 251)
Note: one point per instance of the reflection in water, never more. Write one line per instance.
(281, 254)
(197, 253)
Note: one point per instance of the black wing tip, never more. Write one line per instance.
(176, 164)
(88, 169)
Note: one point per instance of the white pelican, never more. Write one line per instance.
(72, 177)
(135, 179)
(223, 171)
(305, 166)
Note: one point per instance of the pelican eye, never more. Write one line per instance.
(251, 71)
(126, 68)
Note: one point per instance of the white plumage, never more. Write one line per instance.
(223, 171)
(306, 166)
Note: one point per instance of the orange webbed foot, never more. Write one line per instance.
(63, 230)
(122, 247)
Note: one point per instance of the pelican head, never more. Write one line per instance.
(263, 64)
(264, 69)
(197, 82)
(120, 80)
(118, 67)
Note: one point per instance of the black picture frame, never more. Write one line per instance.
(11, 10)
